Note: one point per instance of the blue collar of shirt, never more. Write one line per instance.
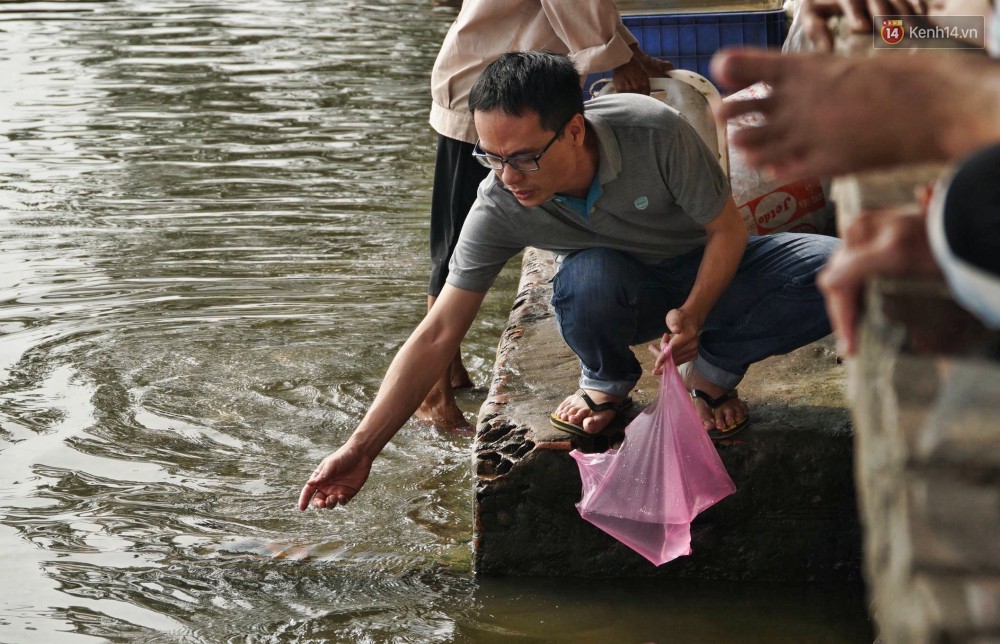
(583, 206)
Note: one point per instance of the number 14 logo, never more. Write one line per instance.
(892, 31)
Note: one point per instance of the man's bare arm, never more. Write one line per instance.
(424, 356)
(727, 239)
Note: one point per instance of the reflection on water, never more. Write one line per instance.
(213, 225)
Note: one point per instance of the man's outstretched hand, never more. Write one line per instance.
(337, 479)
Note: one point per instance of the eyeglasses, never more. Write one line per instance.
(521, 164)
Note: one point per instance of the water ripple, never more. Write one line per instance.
(207, 209)
(213, 217)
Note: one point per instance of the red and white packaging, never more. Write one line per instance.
(765, 204)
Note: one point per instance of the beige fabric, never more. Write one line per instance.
(589, 31)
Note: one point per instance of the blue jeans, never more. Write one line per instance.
(605, 300)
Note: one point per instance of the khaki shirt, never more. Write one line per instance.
(589, 31)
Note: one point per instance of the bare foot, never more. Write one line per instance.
(575, 410)
(726, 415)
(440, 409)
(459, 374)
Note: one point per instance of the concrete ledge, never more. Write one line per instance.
(793, 517)
(928, 467)
(923, 393)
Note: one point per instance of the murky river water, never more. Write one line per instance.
(213, 229)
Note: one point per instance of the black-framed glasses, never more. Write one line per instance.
(521, 164)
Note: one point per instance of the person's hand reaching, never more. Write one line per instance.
(337, 479)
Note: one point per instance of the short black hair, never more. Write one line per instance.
(537, 81)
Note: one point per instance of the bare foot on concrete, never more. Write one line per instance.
(440, 409)
(723, 417)
(574, 410)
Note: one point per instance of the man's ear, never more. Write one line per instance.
(577, 129)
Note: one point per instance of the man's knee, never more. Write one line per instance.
(595, 273)
(802, 256)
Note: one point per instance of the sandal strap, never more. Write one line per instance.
(714, 402)
(606, 406)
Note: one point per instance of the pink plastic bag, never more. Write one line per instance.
(646, 492)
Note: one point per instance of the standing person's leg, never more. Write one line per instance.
(456, 179)
(772, 306)
(604, 302)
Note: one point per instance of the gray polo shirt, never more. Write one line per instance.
(660, 185)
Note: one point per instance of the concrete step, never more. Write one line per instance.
(793, 517)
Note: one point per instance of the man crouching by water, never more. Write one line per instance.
(650, 245)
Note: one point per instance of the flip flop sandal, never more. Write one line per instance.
(713, 403)
(577, 430)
